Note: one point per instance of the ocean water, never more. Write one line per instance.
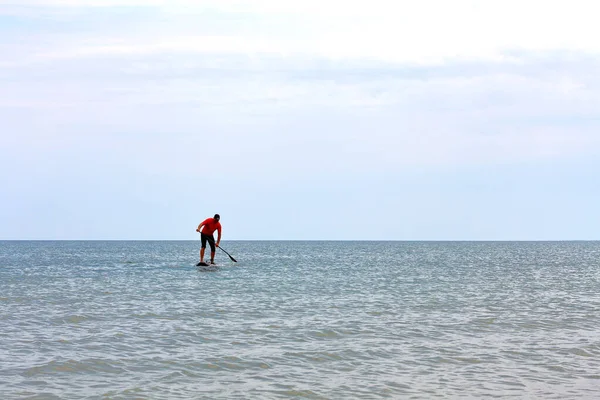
(300, 320)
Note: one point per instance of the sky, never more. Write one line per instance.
(300, 120)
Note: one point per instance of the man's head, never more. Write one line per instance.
(217, 217)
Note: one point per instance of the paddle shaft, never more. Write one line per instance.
(232, 259)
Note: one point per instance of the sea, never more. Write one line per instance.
(300, 320)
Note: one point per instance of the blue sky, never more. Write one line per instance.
(374, 120)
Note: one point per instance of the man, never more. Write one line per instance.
(206, 229)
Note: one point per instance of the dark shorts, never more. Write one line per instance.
(208, 238)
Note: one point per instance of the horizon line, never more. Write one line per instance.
(304, 240)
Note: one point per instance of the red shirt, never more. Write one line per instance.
(211, 225)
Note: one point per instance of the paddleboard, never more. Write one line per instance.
(204, 264)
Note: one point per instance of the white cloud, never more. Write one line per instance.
(425, 32)
(386, 124)
(157, 77)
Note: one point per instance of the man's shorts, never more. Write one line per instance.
(210, 239)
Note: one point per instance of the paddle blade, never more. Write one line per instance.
(224, 251)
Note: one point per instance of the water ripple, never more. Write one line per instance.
(311, 320)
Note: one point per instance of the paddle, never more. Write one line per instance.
(232, 259)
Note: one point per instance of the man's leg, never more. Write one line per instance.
(213, 250)
(202, 247)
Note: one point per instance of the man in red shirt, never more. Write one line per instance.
(206, 229)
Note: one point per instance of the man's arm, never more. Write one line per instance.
(219, 236)
(202, 224)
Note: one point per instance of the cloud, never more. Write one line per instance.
(395, 83)
(425, 32)
(350, 120)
